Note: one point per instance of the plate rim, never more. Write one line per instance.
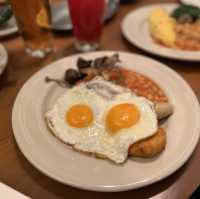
(114, 188)
(151, 51)
(5, 58)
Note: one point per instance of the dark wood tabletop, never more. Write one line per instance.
(18, 173)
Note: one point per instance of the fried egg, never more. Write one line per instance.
(102, 118)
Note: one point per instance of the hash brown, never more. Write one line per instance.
(151, 146)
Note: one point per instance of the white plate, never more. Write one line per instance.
(65, 165)
(136, 30)
(61, 18)
(9, 28)
(3, 58)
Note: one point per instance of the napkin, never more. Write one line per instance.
(9, 193)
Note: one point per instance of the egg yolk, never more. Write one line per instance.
(122, 116)
(79, 116)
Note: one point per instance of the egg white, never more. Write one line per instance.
(96, 138)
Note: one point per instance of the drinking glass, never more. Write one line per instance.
(33, 18)
(87, 20)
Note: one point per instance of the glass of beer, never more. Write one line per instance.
(33, 19)
(87, 20)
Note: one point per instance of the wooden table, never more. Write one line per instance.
(18, 173)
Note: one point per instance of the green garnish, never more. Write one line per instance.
(192, 11)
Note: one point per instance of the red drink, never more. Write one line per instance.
(87, 19)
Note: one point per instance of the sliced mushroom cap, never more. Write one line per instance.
(72, 76)
(83, 63)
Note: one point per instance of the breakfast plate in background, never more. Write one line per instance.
(62, 163)
(135, 28)
(9, 28)
(61, 18)
(3, 58)
(8, 24)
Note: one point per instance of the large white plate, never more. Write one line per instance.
(136, 30)
(63, 164)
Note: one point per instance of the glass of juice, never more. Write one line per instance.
(87, 20)
(33, 19)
